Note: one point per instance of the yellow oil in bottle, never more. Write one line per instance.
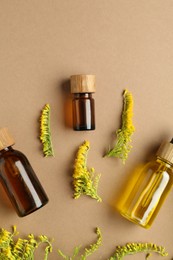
(148, 188)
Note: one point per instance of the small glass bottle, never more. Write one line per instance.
(148, 188)
(18, 178)
(82, 86)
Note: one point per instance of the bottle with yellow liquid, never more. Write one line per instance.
(148, 188)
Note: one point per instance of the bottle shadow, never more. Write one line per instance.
(67, 103)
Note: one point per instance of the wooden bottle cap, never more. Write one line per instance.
(83, 84)
(165, 151)
(6, 139)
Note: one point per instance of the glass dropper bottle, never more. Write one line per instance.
(148, 188)
(18, 178)
(82, 87)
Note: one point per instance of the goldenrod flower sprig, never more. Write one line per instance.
(6, 243)
(133, 248)
(87, 251)
(122, 146)
(22, 248)
(84, 180)
(45, 132)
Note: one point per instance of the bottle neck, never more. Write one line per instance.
(82, 95)
(6, 149)
(168, 163)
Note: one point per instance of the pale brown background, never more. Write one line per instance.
(126, 44)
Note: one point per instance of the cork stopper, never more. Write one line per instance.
(165, 151)
(83, 84)
(6, 139)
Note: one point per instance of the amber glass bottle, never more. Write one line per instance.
(18, 178)
(82, 87)
(148, 188)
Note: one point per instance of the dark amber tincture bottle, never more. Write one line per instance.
(18, 178)
(82, 87)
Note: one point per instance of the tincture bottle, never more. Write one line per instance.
(82, 87)
(18, 178)
(148, 188)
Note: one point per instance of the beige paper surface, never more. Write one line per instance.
(126, 44)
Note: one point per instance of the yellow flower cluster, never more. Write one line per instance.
(22, 248)
(5, 243)
(95, 246)
(45, 133)
(122, 146)
(128, 112)
(133, 248)
(25, 248)
(84, 179)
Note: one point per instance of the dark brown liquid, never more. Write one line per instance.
(83, 112)
(20, 182)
